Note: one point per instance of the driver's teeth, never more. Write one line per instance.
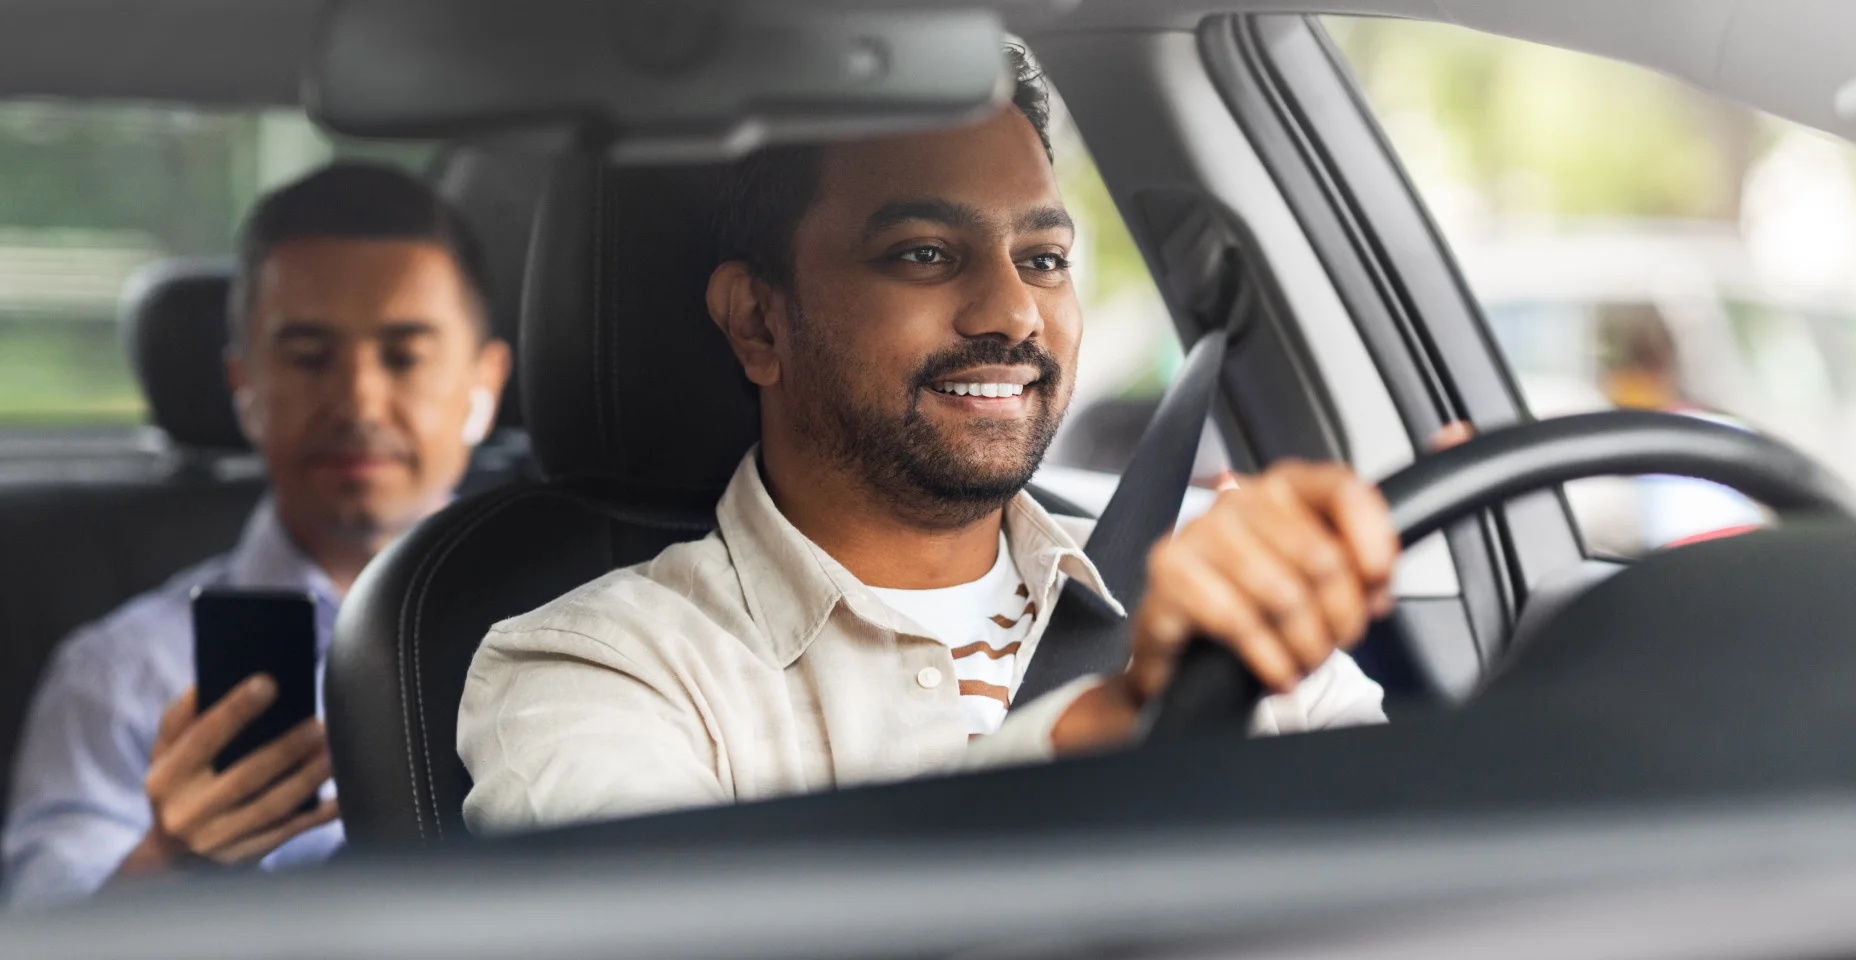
(982, 389)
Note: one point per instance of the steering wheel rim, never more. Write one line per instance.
(1212, 688)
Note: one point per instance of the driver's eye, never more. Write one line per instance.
(924, 255)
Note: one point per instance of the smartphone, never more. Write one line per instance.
(240, 633)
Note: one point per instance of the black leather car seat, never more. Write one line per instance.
(637, 414)
(77, 538)
(496, 188)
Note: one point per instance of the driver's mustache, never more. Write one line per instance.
(987, 353)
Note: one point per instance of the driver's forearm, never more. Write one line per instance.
(1028, 734)
(1103, 717)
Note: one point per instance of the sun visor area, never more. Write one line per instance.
(681, 79)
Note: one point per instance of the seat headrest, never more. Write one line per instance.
(175, 313)
(626, 384)
(495, 189)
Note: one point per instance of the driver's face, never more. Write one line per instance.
(933, 329)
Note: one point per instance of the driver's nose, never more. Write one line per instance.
(1003, 304)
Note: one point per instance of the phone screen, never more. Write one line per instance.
(239, 633)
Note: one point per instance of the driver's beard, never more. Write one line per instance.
(904, 460)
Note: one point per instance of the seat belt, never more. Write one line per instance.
(1084, 635)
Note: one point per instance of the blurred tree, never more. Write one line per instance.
(89, 190)
(1535, 131)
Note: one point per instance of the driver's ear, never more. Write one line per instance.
(741, 304)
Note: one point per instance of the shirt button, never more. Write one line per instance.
(929, 677)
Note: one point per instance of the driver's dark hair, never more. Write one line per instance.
(353, 200)
(765, 195)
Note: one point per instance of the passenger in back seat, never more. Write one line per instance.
(364, 371)
(879, 581)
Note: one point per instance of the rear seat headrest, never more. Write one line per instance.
(496, 189)
(625, 381)
(175, 312)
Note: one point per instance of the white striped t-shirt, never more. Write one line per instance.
(983, 623)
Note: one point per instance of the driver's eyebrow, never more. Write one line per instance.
(944, 212)
(1045, 218)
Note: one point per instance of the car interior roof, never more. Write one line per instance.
(1790, 58)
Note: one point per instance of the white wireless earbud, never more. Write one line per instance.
(482, 416)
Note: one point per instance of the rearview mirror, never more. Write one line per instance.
(670, 79)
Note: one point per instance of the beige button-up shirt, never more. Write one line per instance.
(750, 664)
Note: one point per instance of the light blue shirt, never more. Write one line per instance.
(78, 805)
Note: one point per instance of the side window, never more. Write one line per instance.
(93, 191)
(1635, 242)
(1130, 349)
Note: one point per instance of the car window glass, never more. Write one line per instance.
(1634, 242)
(91, 192)
(1130, 349)
(1787, 357)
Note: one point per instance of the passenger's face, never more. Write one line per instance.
(931, 266)
(358, 374)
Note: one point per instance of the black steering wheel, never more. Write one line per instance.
(1212, 688)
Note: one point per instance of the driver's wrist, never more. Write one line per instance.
(1102, 717)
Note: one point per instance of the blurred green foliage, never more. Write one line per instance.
(175, 175)
(1114, 263)
(1111, 271)
(1535, 130)
(55, 371)
(1517, 130)
(89, 190)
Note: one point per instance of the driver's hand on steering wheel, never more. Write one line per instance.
(1284, 569)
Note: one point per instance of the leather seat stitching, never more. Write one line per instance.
(411, 682)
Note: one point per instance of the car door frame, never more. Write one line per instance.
(1292, 93)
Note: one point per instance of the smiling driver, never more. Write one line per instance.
(878, 580)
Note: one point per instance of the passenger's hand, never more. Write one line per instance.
(1284, 569)
(247, 811)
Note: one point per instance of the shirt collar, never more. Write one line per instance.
(267, 558)
(1043, 550)
(792, 586)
